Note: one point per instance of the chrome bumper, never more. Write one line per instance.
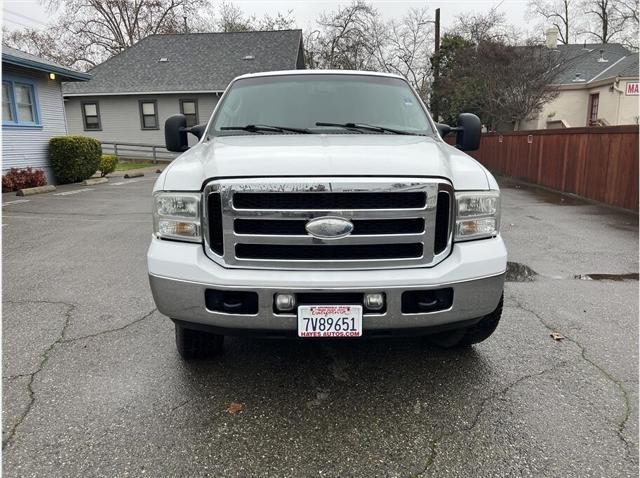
(185, 301)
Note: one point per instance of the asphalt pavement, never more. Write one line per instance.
(93, 385)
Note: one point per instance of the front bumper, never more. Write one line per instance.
(179, 274)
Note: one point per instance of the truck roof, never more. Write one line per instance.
(319, 72)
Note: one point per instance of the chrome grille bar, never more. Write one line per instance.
(413, 241)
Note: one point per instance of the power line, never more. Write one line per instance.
(17, 23)
(20, 15)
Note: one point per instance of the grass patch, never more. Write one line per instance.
(126, 166)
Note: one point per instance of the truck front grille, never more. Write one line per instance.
(328, 200)
(328, 252)
(295, 227)
(260, 223)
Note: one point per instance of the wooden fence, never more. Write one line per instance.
(596, 163)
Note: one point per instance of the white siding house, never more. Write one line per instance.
(131, 95)
(32, 108)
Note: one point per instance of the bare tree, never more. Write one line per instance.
(491, 26)
(606, 24)
(627, 11)
(346, 38)
(561, 14)
(231, 18)
(44, 43)
(356, 37)
(88, 32)
(409, 47)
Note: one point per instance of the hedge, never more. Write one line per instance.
(108, 164)
(74, 158)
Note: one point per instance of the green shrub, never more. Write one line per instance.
(108, 164)
(74, 158)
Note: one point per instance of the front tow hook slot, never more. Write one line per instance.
(425, 301)
(231, 301)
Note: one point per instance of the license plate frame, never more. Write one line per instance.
(336, 321)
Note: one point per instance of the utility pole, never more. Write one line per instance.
(436, 66)
(437, 22)
(186, 27)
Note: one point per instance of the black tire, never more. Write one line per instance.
(196, 344)
(468, 336)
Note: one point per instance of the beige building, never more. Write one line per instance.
(598, 86)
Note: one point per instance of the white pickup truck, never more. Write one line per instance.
(325, 204)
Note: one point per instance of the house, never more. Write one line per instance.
(130, 96)
(597, 86)
(32, 108)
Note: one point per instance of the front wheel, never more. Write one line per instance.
(473, 334)
(195, 344)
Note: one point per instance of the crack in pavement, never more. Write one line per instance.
(47, 352)
(13, 377)
(583, 351)
(476, 418)
(108, 331)
(45, 357)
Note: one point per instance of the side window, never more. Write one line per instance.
(91, 116)
(189, 108)
(594, 100)
(19, 103)
(149, 114)
(25, 104)
(8, 116)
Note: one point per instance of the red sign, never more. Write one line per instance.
(633, 89)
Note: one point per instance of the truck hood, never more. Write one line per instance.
(322, 155)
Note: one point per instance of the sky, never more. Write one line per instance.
(20, 13)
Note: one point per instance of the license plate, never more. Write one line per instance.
(329, 321)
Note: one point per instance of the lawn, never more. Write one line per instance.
(126, 166)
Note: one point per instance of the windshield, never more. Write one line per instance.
(302, 101)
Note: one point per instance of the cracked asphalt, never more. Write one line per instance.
(93, 386)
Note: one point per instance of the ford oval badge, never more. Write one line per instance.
(329, 227)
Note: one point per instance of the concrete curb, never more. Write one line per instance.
(134, 175)
(36, 190)
(91, 182)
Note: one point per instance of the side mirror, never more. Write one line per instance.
(468, 133)
(198, 130)
(443, 129)
(175, 134)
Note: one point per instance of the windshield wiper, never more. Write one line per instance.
(258, 128)
(364, 126)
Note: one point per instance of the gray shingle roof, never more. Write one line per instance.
(194, 62)
(626, 68)
(27, 60)
(583, 60)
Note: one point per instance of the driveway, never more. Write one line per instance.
(93, 385)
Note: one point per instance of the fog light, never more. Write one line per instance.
(285, 302)
(374, 301)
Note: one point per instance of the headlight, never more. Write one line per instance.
(177, 216)
(477, 215)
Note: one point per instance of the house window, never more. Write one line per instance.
(7, 109)
(91, 116)
(149, 114)
(593, 109)
(19, 103)
(189, 108)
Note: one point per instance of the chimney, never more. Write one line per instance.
(552, 38)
